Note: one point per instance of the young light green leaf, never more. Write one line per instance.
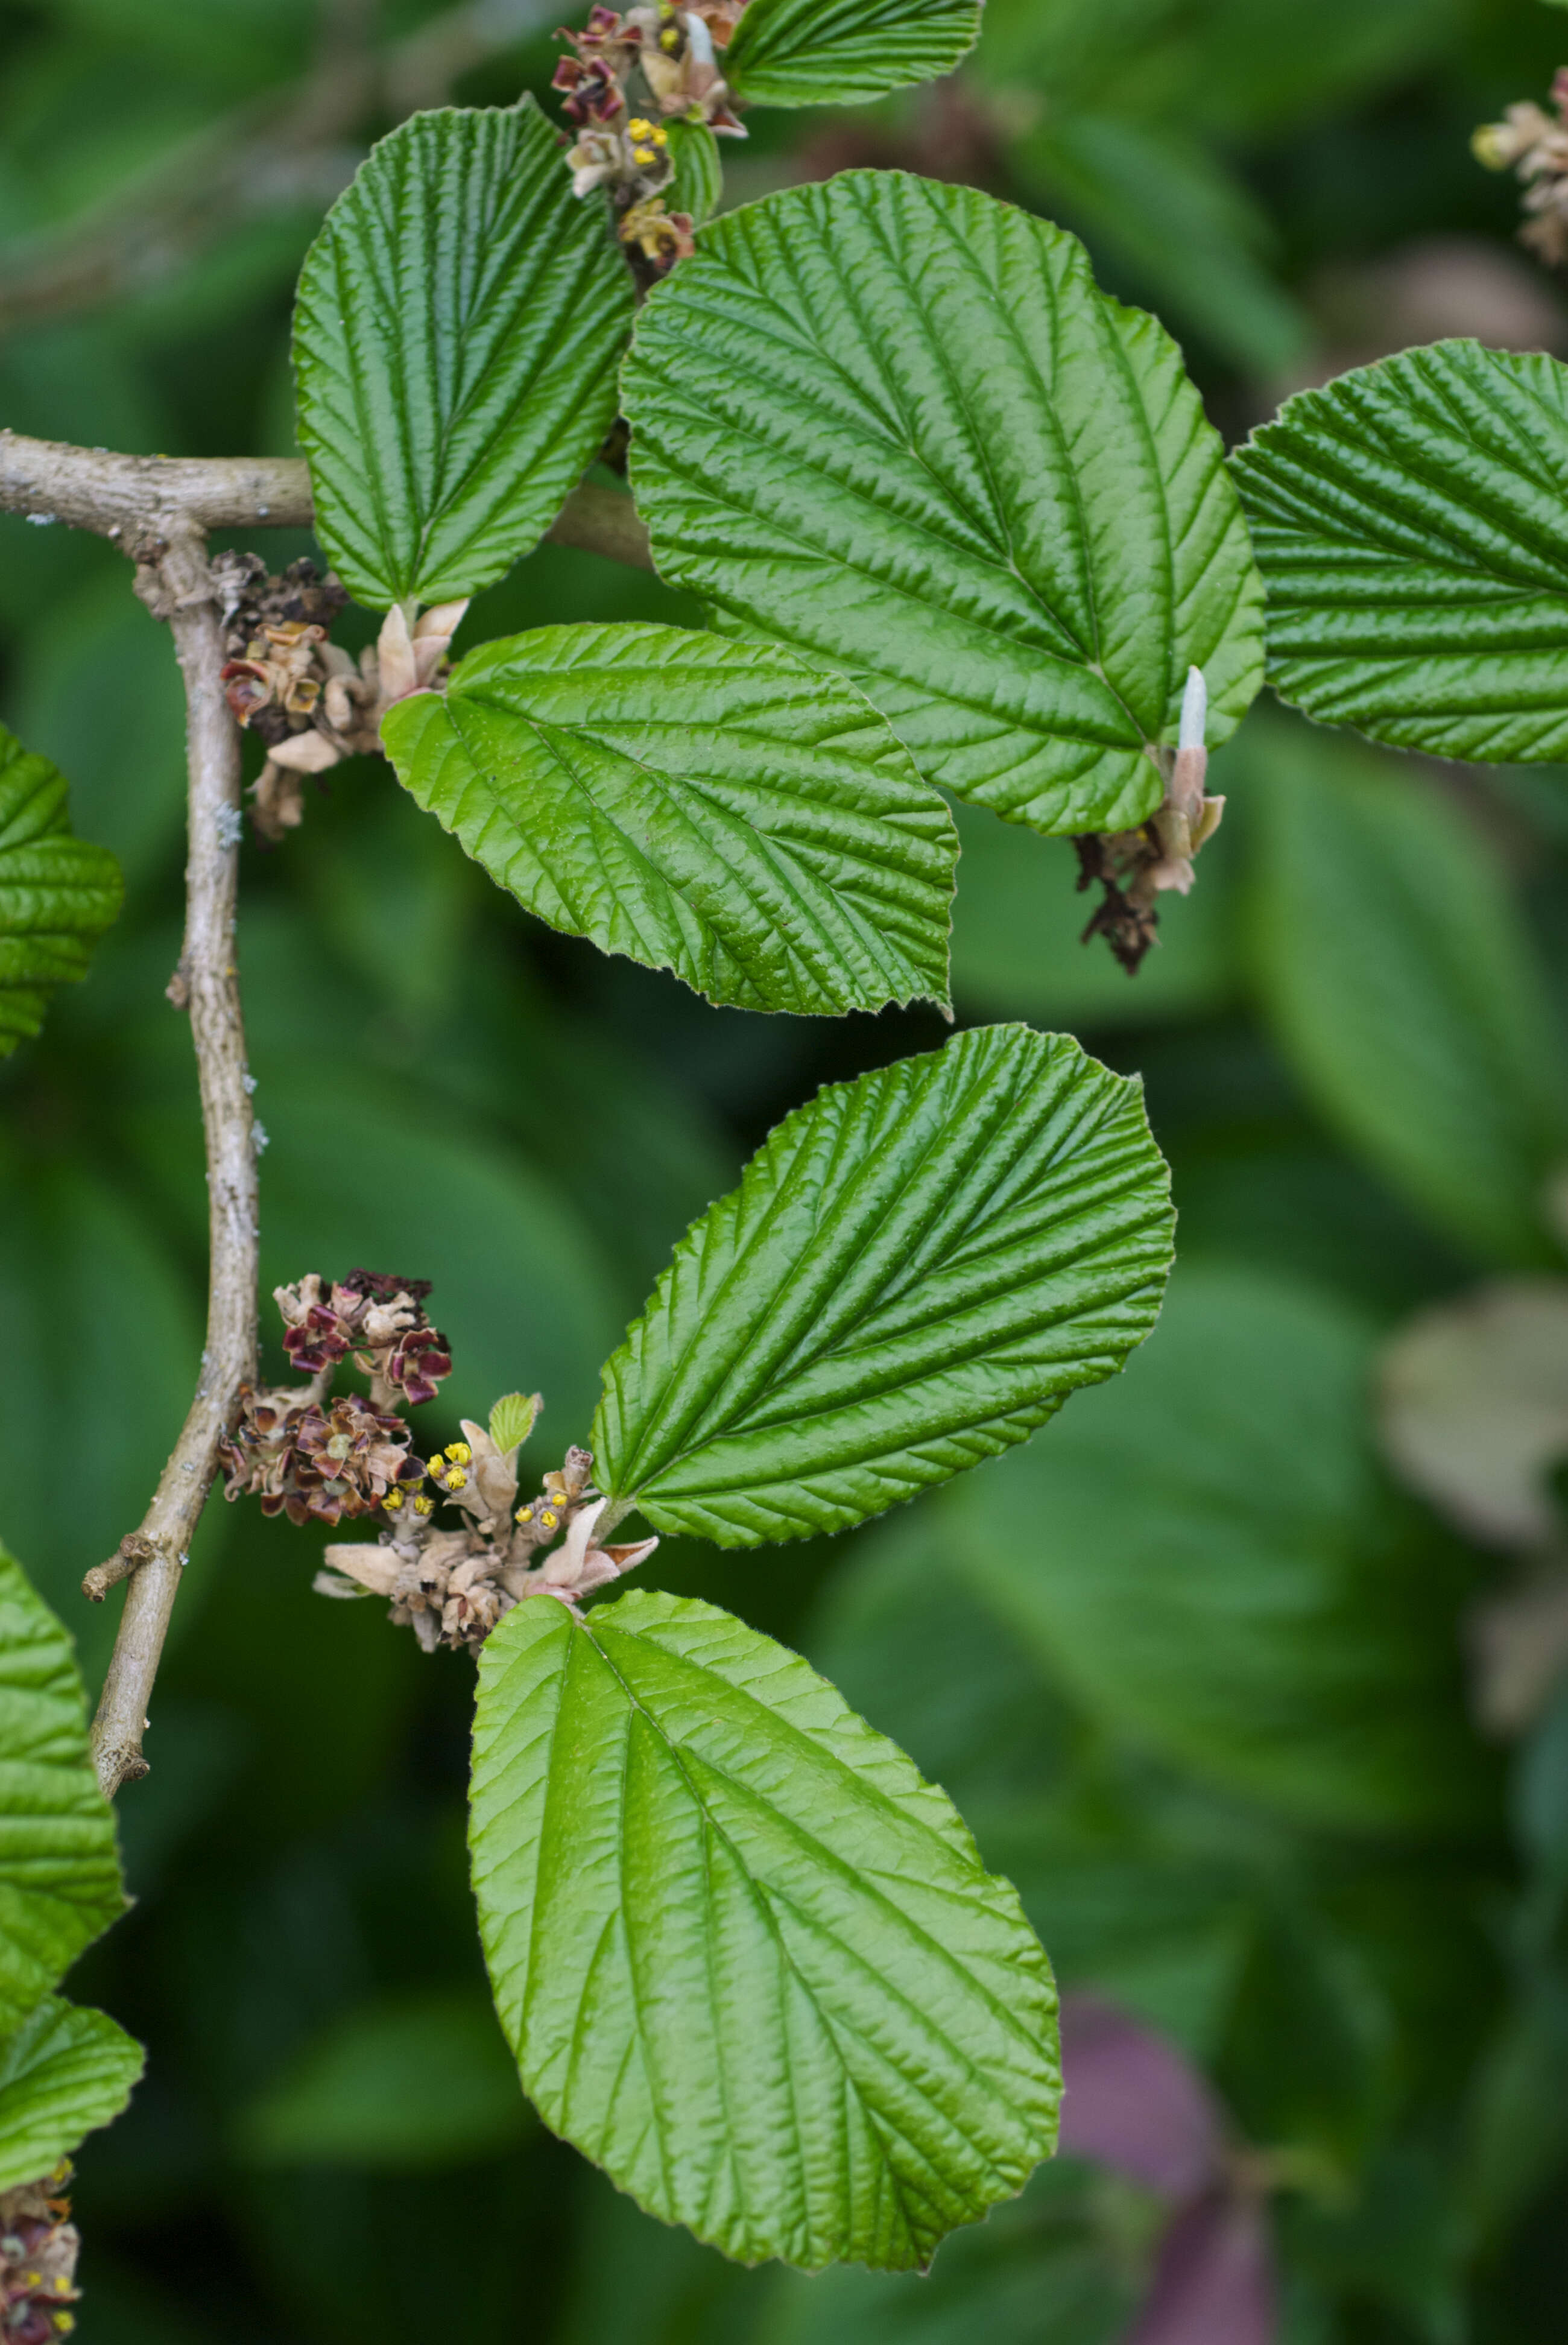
(699, 180)
(456, 335)
(898, 426)
(1401, 985)
(748, 1960)
(59, 1874)
(57, 894)
(1411, 523)
(915, 1271)
(66, 2072)
(514, 1418)
(719, 809)
(837, 52)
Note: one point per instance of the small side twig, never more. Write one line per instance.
(130, 498)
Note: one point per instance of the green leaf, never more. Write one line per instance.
(514, 1418)
(835, 52)
(699, 181)
(748, 1960)
(898, 426)
(718, 810)
(1401, 987)
(1411, 523)
(57, 894)
(418, 2082)
(915, 1271)
(459, 321)
(59, 1874)
(66, 2072)
(1209, 1561)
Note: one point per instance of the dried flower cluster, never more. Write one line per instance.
(1534, 144)
(311, 702)
(631, 76)
(1135, 867)
(38, 2248)
(319, 1458)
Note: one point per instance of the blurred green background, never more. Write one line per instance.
(1200, 1671)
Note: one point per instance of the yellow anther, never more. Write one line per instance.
(549, 1519)
(424, 1506)
(640, 128)
(460, 1452)
(660, 137)
(394, 1501)
(642, 155)
(524, 1514)
(455, 1478)
(33, 2278)
(62, 2285)
(669, 39)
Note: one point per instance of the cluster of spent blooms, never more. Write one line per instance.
(1135, 867)
(38, 2249)
(631, 76)
(320, 1458)
(1531, 143)
(311, 702)
(379, 1320)
(452, 1582)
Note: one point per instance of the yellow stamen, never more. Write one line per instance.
(660, 137)
(640, 128)
(549, 1519)
(456, 1479)
(460, 1452)
(424, 1506)
(642, 155)
(394, 1501)
(524, 1514)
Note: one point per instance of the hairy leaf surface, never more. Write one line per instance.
(1412, 525)
(57, 894)
(898, 426)
(59, 1874)
(458, 326)
(835, 52)
(748, 1960)
(719, 809)
(65, 2071)
(915, 1271)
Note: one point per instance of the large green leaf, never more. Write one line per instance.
(898, 426)
(459, 321)
(1401, 987)
(748, 1960)
(915, 1271)
(59, 1874)
(1412, 525)
(65, 2072)
(834, 52)
(57, 894)
(720, 810)
(1208, 1560)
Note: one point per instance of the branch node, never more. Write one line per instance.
(133, 1550)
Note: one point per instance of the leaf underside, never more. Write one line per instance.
(66, 2072)
(1411, 526)
(456, 329)
(59, 1873)
(898, 426)
(57, 894)
(915, 1271)
(837, 52)
(748, 1960)
(718, 810)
